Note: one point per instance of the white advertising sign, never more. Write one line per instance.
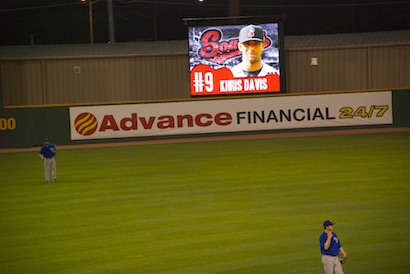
(231, 115)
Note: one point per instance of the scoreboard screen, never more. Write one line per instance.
(235, 59)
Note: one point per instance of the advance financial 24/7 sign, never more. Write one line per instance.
(231, 115)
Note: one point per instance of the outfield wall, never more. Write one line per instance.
(66, 125)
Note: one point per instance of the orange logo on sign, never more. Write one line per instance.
(86, 124)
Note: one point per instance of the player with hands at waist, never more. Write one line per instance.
(47, 153)
(330, 247)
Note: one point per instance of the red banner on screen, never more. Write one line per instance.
(208, 81)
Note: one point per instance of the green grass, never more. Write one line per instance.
(249, 206)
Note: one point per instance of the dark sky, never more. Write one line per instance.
(67, 21)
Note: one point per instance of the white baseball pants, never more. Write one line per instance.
(50, 166)
(332, 265)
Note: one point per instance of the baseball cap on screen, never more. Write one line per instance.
(251, 33)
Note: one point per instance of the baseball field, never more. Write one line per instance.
(221, 206)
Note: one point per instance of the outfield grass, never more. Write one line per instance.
(248, 206)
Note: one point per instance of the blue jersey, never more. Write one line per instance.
(334, 247)
(48, 151)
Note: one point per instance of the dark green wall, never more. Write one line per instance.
(401, 108)
(35, 124)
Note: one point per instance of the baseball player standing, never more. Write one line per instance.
(330, 247)
(47, 153)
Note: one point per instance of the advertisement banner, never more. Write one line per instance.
(231, 115)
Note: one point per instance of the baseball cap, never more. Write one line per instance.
(328, 223)
(46, 140)
(251, 32)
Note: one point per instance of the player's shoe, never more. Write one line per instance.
(55, 181)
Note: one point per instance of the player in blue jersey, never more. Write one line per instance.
(330, 247)
(47, 153)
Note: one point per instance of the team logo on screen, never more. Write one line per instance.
(218, 51)
(85, 124)
(251, 32)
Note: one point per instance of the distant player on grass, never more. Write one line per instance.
(330, 247)
(47, 153)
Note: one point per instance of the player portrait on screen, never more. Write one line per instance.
(234, 59)
(251, 43)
